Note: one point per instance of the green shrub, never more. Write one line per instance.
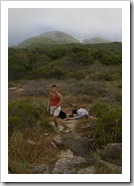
(14, 122)
(22, 114)
(111, 59)
(26, 113)
(17, 167)
(109, 123)
(93, 89)
(45, 123)
(77, 75)
(99, 109)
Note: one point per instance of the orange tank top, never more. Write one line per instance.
(54, 99)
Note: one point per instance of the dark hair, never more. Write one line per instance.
(74, 111)
(53, 86)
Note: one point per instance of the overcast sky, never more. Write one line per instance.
(80, 23)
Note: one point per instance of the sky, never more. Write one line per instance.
(81, 23)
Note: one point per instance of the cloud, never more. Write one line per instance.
(81, 23)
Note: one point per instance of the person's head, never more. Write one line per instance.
(54, 88)
(74, 111)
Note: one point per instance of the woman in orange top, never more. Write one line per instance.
(54, 104)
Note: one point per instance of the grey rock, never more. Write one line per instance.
(67, 131)
(42, 169)
(67, 163)
(61, 128)
(53, 144)
(20, 89)
(58, 140)
(64, 166)
(12, 88)
(112, 151)
(87, 170)
(81, 146)
(30, 142)
(46, 134)
(66, 154)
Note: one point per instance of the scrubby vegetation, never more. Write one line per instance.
(62, 61)
(88, 76)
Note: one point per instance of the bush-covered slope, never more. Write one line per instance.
(61, 61)
(96, 40)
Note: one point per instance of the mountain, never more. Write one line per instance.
(48, 38)
(59, 37)
(96, 40)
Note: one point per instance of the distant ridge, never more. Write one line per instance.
(48, 38)
(96, 40)
(57, 38)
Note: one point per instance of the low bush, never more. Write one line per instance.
(46, 125)
(77, 75)
(21, 114)
(25, 113)
(109, 123)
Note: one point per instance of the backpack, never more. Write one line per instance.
(62, 115)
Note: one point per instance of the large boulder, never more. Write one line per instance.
(112, 151)
(67, 163)
(79, 145)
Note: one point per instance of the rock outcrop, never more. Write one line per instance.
(112, 151)
(68, 163)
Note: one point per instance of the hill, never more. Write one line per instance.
(59, 37)
(48, 38)
(96, 40)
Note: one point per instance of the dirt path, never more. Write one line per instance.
(73, 138)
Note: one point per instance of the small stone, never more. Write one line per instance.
(20, 90)
(30, 142)
(12, 88)
(46, 134)
(67, 131)
(91, 139)
(61, 128)
(66, 154)
(86, 126)
(53, 144)
(58, 140)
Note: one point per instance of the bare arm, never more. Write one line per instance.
(74, 118)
